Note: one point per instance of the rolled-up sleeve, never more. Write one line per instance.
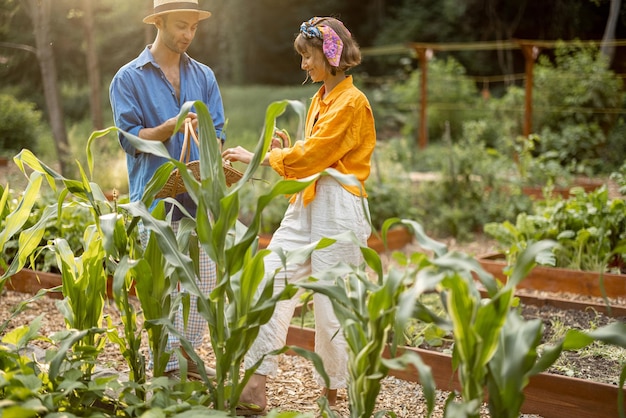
(330, 141)
(126, 113)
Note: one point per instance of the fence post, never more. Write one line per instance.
(530, 52)
(422, 133)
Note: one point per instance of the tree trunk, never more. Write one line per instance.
(39, 12)
(237, 41)
(608, 48)
(93, 66)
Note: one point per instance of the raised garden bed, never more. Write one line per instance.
(588, 184)
(548, 395)
(564, 281)
(552, 279)
(32, 281)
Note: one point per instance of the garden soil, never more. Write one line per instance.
(294, 389)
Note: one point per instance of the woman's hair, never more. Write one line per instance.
(350, 54)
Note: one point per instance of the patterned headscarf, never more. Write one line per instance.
(332, 45)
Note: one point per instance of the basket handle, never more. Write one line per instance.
(186, 149)
(193, 133)
(195, 137)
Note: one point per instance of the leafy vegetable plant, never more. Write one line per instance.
(589, 227)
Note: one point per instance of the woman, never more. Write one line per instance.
(340, 134)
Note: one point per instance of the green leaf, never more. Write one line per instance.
(21, 336)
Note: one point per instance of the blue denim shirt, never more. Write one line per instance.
(142, 97)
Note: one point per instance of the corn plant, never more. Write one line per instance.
(370, 311)
(478, 324)
(118, 246)
(487, 349)
(30, 238)
(84, 290)
(12, 221)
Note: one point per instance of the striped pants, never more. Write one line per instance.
(196, 324)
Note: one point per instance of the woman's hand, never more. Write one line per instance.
(280, 139)
(237, 154)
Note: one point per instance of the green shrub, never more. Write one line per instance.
(474, 189)
(19, 124)
(619, 176)
(571, 97)
(589, 228)
(391, 199)
(70, 223)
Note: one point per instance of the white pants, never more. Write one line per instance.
(334, 210)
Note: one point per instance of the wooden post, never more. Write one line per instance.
(422, 136)
(530, 54)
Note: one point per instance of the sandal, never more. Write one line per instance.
(245, 409)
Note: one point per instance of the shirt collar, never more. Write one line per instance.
(146, 57)
(345, 84)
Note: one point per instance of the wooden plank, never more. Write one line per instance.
(396, 239)
(31, 281)
(548, 395)
(553, 279)
(560, 303)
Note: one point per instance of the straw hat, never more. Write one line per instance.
(162, 7)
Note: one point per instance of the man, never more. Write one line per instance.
(146, 95)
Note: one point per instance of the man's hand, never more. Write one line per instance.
(164, 131)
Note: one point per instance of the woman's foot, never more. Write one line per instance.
(253, 395)
(331, 396)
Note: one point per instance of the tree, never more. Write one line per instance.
(39, 13)
(608, 48)
(93, 65)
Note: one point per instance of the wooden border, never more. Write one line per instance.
(32, 281)
(560, 303)
(552, 279)
(548, 395)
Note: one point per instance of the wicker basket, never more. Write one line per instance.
(175, 185)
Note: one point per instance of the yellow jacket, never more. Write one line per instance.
(339, 134)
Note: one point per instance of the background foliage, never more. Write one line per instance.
(473, 124)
